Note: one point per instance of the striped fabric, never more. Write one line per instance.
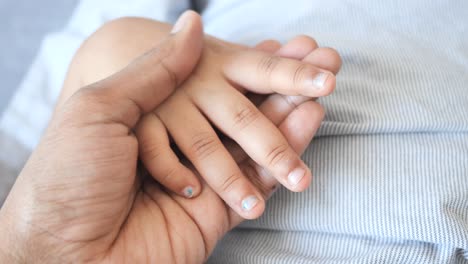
(390, 162)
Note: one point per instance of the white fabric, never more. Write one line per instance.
(29, 111)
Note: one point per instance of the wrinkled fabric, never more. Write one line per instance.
(390, 161)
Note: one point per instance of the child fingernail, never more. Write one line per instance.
(319, 80)
(296, 176)
(249, 203)
(188, 192)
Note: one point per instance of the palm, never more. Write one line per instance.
(134, 210)
(123, 214)
(170, 229)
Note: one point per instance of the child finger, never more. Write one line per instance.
(297, 48)
(239, 119)
(277, 107)
(196, 138)
(160, 160)
(270, 46)
(299, 128)
(262, 72)
(301, 124)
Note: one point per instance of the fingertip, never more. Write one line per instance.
(189, 20)
(318, 84)
(319, 110)
(335, 59)
(329, 85)
(299, 178)
(304, 182)
(298, 47)
(311, 110)
(191, 186)
(186, 49)
(252, 211)
(190, 191)
(325, 58)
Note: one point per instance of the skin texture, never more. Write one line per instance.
(210, 98)
(81, 197)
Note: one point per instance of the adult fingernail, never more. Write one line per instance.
(296, 176)
(188, 191)
(249, 203)
(319, 80)
(180, 24)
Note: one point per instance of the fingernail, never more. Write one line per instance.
(249, 203)
(188, 191)
(180, 24)
(319, 80)
(296, 176)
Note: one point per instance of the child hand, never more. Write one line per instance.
(288, 113)
(210, 94)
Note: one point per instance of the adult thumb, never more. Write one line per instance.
(148, 80)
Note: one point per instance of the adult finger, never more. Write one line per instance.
(148, 80)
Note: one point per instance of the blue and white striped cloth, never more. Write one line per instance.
(390, 163)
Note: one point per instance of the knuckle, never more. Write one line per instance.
(268, 64)
(89, 94)
(171, 75)
(87, 105)
(228, 183)
(158, 56)
(300, 73)
(204, 145)
(245, 115)
(277, 154)
(150, 152)
(168, 176)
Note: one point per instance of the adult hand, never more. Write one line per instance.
(79, 197)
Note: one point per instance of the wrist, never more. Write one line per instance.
(9, 252)
(21, 241)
